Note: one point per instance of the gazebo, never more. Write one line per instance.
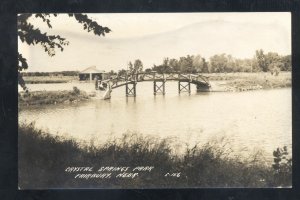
(91, 72)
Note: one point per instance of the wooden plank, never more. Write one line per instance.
(122, 84)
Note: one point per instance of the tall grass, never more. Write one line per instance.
(43, 159)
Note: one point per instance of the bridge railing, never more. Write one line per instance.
(154, 76)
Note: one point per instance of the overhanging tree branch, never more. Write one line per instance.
(22, 64)
(89, 24)
(30, 35)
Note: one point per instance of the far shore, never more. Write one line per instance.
(49, 79)
(238, 82)
(220, 82)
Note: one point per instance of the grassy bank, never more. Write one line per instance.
(43, 159)
(250, 81)
(49, 79)
(51, 97)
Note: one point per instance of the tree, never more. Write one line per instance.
(148, 70)
(261, 60)
(189, 64)
(198, 63)
(174, 65)
(243, 65)
(164, 67)
(32, 35)
(272, 57)
(218, 63)
(138, 65)
(205, 66)
(275, 67)
(112, 73)
(287, 63)
(130, 66)
(122, 72)
(186, 64)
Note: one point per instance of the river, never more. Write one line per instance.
(249, 121)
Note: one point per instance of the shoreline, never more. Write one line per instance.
(220, 82)
(205, 165)
(40, 98)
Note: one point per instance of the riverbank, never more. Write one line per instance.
(43, 160)
(237, 82)
(51, 97)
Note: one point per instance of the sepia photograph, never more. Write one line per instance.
(154, 100)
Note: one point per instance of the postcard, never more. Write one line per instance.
(154, 100)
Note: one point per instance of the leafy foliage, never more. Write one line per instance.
(261, 60)
(164, 68)
(90, 25)
(122, 72)
(223, 63)
(22, 62)
(282, 166)
(31, 35)
(136, 67)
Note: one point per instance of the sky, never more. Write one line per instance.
(151, 37)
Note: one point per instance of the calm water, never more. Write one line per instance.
(254, 120)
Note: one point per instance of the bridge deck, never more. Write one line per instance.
(152, 76)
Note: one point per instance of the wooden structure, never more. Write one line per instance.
(91, 72)
(159, 80)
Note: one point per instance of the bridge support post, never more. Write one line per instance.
(184, 86)
(131, 89)
(159, 88)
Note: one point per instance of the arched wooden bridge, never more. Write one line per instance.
(159, 80)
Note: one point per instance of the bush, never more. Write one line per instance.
(76, 91)
(282, 166)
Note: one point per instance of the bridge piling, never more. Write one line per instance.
(131, 89)
(159, 88)
(184, 86)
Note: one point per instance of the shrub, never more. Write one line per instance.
(282, 167)
(76, 90)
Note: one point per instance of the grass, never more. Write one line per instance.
(51, 97)
(43, 159)
(49, 79)
(251, 81)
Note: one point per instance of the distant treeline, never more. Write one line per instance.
(62, 73)
(219, 63)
